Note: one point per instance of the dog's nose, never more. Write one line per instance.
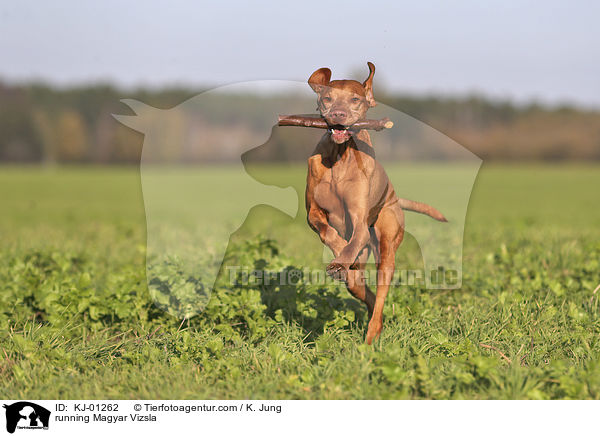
(339, 116)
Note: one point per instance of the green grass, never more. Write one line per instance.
(77, 320)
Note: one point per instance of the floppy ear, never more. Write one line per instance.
(368, 85)
(319, 79)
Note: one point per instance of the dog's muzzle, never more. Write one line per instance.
(340, 134)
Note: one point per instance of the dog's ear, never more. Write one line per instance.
(368, 85)
(319, 79)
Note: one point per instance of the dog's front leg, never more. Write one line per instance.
(317, 220)
(358, 213)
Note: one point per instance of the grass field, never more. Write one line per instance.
(77, 320)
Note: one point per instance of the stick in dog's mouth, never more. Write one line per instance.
(321, 123)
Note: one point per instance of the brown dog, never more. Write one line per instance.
(350, 201)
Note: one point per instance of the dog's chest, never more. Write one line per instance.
(331, 189)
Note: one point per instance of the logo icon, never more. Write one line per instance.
(26, 415)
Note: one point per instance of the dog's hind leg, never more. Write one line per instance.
(389, 228)
(356, 283)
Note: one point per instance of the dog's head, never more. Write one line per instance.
(342, 102)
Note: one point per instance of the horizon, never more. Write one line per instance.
(196, 89)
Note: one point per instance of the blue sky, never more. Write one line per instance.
(548, 51)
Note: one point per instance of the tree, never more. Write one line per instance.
(71, 137)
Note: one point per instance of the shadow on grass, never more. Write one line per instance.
(292, 298)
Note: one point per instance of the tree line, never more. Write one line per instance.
(45, 124)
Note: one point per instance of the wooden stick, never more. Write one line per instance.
(320, 123)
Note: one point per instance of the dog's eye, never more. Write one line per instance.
(355, 99)
(327, 99)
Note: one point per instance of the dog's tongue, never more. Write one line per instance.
(340, 136)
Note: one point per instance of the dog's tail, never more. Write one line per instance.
(423, 208)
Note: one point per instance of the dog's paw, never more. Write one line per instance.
(337, 271)
(373, 332)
